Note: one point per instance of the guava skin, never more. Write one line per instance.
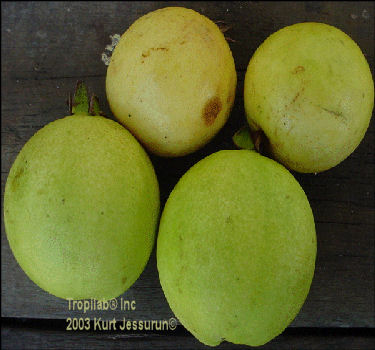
(310, 89)
(172, 80)
(236, 248)
(81, 207)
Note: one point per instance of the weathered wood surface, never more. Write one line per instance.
(22, 337)
(47, 46)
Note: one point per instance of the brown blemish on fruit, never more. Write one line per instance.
(337, 115)
(297, 95)
(147, 53)
(298, 69)
(229, 98)
(211, 110)
(18, 174)
(123, 280)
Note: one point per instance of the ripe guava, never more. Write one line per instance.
(309, 88)
(81, 207)
(236, 248)
(171, 80)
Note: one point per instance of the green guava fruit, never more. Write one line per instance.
(172, 80)
(81, 207)
(309, 88)
(236, 248)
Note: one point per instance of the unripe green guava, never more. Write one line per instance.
(310, 89)
(81, 207)
(172, 80)
(236, 248)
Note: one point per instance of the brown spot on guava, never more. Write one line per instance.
(338, 115)
(17, 175)
(123, 280)
(19, 172)
(147, 53)
(297, 95)
(211, 110)
(298, 69)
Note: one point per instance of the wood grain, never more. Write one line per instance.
(314, 339)
(47, 46)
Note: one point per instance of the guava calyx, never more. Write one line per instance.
(80, 104)
(246, 138)
(242, 138)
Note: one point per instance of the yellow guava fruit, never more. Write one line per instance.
(81, 207)
(236, 248)
(309, 88)
(171, 80)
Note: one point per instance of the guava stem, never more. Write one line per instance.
(80, 104)
(224, 27)
(94, 108)
(245, 138)
(242, 138)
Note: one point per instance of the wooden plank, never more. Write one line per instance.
(47, 46)
(83, 30)
(21, 338)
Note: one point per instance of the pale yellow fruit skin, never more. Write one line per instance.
(236, 248)
(171, 80)
(81, 208)
(310, 89)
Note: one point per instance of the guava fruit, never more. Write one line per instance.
(171, 80)
(81, 206)
(309, 88)
(236, 248)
